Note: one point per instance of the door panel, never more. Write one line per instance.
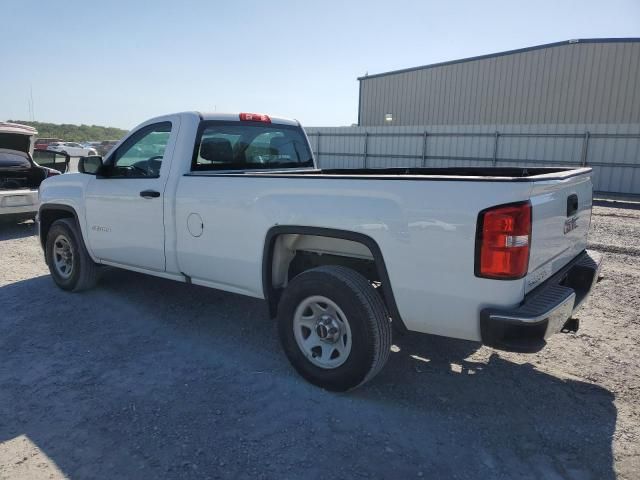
(124, 227)
(125, 213)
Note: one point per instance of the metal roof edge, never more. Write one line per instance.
(500, 54)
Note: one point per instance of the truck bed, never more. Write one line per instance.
(508, 173)
(444, 173)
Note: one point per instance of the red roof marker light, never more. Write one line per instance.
(255, 117)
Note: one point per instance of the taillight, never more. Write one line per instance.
(503, 239)
(52, 173)
(255, 117)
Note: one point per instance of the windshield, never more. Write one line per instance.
(244, 146)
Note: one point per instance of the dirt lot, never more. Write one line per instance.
(145, 378)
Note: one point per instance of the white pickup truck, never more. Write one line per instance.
(237, 203)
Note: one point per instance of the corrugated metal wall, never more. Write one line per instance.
(593, 81)
(612, 150)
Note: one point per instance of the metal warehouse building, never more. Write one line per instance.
(579, 81)
(572, 103)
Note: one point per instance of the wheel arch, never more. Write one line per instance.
(49, 213)
(271, 294)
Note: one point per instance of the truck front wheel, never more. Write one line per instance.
(69, 262)
(334, 327)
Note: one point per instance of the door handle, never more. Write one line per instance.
(149, 194)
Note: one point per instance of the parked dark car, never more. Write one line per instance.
(20, 178)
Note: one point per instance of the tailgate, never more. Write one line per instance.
(560, 224)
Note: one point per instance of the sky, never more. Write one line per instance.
(117, 63)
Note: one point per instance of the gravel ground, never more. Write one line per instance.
(146, 378)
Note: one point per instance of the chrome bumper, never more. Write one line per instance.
(18, 202)
(545, 310)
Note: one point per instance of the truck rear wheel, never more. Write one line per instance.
(334, 327)
(69, 262)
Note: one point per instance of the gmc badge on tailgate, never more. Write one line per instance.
(570, 224)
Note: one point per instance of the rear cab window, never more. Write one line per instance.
(223, 145)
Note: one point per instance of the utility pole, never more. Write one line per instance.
(33, 110)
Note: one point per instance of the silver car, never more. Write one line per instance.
(72, 149)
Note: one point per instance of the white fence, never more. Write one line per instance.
(613, 151)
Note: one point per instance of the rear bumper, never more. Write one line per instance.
(545, 310)
(18, 202)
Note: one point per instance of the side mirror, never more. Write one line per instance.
(50, 159)
(90, 164)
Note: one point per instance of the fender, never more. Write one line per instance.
(44, 228)
(272, 296)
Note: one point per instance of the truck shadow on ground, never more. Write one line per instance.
(14, 230)
(147, 378)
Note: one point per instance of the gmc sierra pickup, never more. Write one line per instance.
(237, 203)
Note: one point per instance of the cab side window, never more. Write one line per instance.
(140, 156)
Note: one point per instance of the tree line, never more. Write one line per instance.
(74, 133)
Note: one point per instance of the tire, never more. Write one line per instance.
(350, 304)
(81, 272)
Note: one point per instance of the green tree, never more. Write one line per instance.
(74, 133)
